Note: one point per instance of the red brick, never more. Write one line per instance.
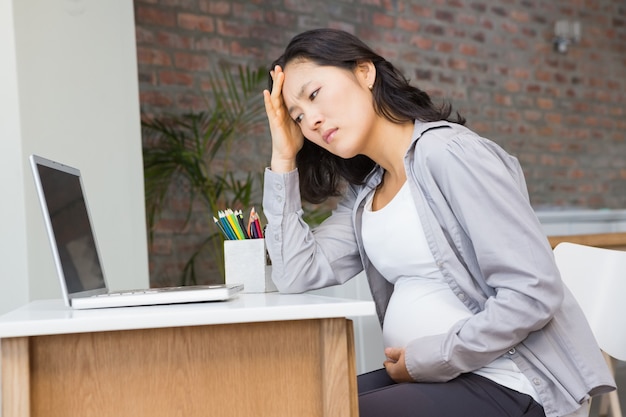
(154, 16)
(143, 35)
(436, 30)
(194, 22)
(542, 75)
(512, 86)
(174, 40)
(383, 20)
(467, 49)
(554, 118)
(545, 104)
(519, 16)
(215, 44)
(239, 49)
(545, 131)
(191, 62)
(175, 78)
(155, 99)
(487, 24)
(242, 11)
(532, 115)
(500, 11)
(445, 16)
(421, 42)
(547, 160)
(457, 64)
(284, 19)
(514, 119)
(216, 8)
(467, 20)
(502, 99)
(190, 102)
(420, 11)
(300, 6)
(409, 25)
(232, 29)
(153, 56)
(446, 47)
(509, 27)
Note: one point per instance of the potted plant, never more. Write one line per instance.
(196, 147)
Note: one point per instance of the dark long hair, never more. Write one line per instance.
(321, 172)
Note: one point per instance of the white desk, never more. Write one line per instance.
(259, 354)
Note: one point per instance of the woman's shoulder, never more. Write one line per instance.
(438, 139)
(457, 149)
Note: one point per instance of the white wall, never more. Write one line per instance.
(69, 92)
(13, 258)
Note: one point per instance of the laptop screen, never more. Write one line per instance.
(68, 219)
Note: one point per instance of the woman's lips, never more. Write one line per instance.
(328, 135)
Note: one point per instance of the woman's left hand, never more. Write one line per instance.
(395, 365)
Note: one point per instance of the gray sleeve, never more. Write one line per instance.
(305, 258)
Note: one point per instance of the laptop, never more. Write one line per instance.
(75, 250)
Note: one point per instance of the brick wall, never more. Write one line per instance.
(563, 115)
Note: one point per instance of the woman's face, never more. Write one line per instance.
(333, 106)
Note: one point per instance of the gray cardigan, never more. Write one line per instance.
(472, 201)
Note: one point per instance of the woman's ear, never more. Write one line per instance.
(366, 73)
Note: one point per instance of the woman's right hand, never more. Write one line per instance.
(287, 138)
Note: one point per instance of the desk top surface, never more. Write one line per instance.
(47, 317)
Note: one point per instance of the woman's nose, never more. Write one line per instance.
(315, 120)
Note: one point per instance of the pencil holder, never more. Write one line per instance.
(246, 262)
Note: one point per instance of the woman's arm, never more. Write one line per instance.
(302, 258)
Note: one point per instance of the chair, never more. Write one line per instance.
(597, 278)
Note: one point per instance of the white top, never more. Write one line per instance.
(47, 317)
(422, 303)
(405, 261)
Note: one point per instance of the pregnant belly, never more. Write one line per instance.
(420, 307)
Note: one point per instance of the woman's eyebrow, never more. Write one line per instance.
(299, 96)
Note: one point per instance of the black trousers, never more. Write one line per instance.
(468, 395)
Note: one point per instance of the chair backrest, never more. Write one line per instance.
(597, 278)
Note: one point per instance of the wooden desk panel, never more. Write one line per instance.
(273, 369)
(15, 377)
(601, 240)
